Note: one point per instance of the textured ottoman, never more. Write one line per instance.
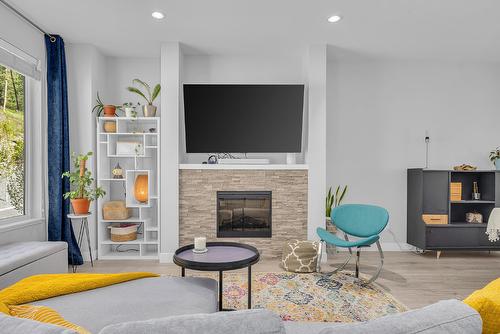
(301, 256)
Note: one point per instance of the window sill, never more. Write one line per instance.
(16, 225)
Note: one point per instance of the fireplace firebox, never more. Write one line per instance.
(244, 214)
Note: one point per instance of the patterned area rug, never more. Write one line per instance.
(309, 297)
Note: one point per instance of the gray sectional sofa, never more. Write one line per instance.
(169, 305)
(21, 259)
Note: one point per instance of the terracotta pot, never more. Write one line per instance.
(141, 188)
(80, 206)
(109, 110)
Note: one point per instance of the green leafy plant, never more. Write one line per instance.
(81, 180)
(99, 106)
(131, 106)
(148, 95)
(495, 154)
(334, 199)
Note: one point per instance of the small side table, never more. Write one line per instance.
(84, 229)
(221, 256)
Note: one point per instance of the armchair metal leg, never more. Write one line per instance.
(358, 252)
(379, 269)
(341, 267)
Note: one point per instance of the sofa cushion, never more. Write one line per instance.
(13, 325)
(448, 316)
(18, 254)
(240, 322)
(141, 299)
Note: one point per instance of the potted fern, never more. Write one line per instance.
(149, 110)
(83, 192)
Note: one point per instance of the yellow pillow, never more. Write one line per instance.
(487, 303)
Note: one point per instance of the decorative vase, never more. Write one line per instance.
(80, 206)
(149, 110)
(141, 188)
(110, 127)
(109, 110)
(330, 249)
(497, 164)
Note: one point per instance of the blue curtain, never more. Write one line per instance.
(59, 226)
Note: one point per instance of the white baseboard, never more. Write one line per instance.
(166, 257)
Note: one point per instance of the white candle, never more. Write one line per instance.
(200, 243)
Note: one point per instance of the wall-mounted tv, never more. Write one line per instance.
(222, 118)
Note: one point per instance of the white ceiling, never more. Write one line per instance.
(423, 29)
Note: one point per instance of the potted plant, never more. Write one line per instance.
(129, 109)
(495, 157)
(333, 200)
(83, 191)
(148, 109)
(108, 109)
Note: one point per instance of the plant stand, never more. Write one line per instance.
(84, 229)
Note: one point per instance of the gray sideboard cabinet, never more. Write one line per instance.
(429, 194)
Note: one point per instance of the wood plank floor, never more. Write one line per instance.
(414, 279)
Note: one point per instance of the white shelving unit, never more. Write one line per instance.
(146, 161)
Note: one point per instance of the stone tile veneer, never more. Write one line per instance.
(198, 204)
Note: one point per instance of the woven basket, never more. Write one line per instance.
(121, 233)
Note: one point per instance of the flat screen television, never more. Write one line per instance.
(222, 118)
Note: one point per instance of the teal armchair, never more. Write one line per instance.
(365, 222)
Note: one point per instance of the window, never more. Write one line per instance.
(12, 143)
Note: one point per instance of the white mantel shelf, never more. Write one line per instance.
(255, 167)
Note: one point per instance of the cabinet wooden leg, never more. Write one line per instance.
(438, 254)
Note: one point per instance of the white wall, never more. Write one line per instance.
(120, 72)
(240, 69)
(377, 115)
(24, 37)
(316, 149)
(85, 76)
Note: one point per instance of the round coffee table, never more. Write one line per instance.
(221, 256)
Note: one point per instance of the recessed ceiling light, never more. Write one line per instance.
(157, 15)
(334, 18)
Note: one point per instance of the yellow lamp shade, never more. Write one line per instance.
(141, 188)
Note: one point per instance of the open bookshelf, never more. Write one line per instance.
(429, 194)
(143, 160)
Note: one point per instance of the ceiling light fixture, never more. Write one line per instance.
(157, 15)
(334, 18)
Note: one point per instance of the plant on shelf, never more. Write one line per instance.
(495, 157)
(129, 109)
(148, 109)
(334, 199)
(83, 191)
(109, 109)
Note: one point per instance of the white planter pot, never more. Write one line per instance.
(129, 112)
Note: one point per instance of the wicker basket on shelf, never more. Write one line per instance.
(123, 232)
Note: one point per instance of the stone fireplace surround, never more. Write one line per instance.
(198, 203)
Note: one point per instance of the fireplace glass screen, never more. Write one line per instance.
(244, 214)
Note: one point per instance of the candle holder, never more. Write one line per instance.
(200, 245)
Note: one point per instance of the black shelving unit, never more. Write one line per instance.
(428, 193)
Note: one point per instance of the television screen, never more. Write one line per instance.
(243, 118)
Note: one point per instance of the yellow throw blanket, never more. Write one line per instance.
(41, 287)
(487, 303)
